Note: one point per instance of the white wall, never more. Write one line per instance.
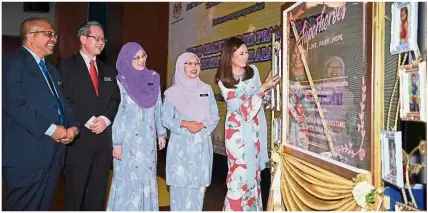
(13, 14)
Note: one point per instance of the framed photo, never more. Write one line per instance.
(401, 207)
(276, 130)
(276, 58)
(276, 71)
(270, 100)
(404, 27)
(392, 158)
(413, 92)
(327, 117)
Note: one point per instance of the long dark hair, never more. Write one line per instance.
(224, 72)
(407, 13)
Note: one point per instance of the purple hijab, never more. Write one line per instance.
(185, 94)
(141, 85)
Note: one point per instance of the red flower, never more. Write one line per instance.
(232, 118)
(251, 201)
(309, 96)
(233, 168)
(230, 133)
(258, 146)
(235, 205)
(244, 111)
(256, 120)
(230, 156)
(230, 95)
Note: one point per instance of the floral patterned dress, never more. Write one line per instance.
(246, 144)
(189, 157)
(134, 186)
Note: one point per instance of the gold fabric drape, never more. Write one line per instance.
(305, 187)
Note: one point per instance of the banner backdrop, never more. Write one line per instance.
(203, 28)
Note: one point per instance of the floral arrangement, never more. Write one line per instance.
(364, 193)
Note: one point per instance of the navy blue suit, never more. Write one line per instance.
(32, 161)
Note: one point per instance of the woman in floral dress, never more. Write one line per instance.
(245, 126)
(135, 129)
(191, 113)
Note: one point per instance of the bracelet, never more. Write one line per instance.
(117, 144)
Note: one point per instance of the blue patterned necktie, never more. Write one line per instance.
(52, 88)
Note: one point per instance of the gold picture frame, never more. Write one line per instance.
(372, 37)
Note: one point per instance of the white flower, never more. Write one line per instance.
(139, 157)
(133, 176)
(188, 204)
(146, 191)
(180, 171)
(361, 201)
(360, 191)
(180, 154)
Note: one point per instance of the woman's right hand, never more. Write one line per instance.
(270, 82)
(117, 152)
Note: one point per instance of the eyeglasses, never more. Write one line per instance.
(197, 64)
(138, 57)
(334, 67)
(47, 33)
(98, 39)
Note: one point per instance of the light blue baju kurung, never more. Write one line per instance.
(189, 157)
(134, 186)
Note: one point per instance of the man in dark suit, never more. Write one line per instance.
(37, 122)
(91, 89)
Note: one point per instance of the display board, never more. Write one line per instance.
(328, 120)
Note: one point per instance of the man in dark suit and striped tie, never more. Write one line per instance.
(37, 122)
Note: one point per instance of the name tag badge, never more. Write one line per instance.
(107, 78)
(150, 84)
(203, 95)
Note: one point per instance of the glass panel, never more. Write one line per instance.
(334, 43)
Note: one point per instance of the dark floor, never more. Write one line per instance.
(214, 196)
